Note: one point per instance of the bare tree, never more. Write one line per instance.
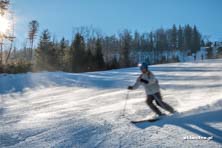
(3, 6)
(11, 38)
(33, 30)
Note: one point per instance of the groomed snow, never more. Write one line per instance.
(57, 109)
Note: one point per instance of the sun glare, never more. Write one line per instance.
(4, 25)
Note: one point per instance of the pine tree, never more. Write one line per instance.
(61, 53)
(174, 37)
(43, 51)
(77, 53)
(180, 38)
(100, 64)
(90, 61)
(187, 37)
(195, 40)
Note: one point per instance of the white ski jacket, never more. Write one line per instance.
(151, 87)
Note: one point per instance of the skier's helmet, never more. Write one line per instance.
(144, 66)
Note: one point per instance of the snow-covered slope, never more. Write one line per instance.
(56, 109)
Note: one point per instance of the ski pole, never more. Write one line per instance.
(124, 109)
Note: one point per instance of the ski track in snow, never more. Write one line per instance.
(57, 109)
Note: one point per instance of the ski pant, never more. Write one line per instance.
(158, 99)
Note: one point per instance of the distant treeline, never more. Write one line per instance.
(90, 50)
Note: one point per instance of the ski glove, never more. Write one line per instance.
(144, 81)
(130, 87)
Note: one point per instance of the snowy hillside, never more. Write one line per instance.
(57, 109)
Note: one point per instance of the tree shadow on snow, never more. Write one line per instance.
(189, 122)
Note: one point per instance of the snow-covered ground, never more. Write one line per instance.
(56, 109)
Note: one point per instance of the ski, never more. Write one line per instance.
(145, 120)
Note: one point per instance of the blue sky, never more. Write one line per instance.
(60, 16)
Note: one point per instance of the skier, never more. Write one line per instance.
(152, 89)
